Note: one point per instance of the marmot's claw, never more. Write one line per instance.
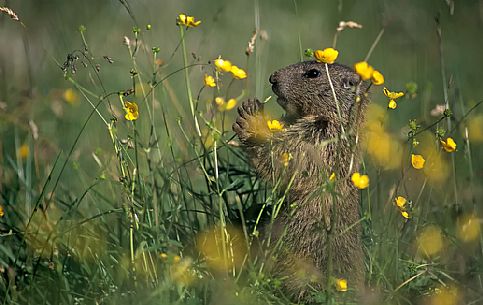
(249, 125)
(250, 108)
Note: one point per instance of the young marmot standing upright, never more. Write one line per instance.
(318, 139)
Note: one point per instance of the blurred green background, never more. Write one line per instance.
(38, 114)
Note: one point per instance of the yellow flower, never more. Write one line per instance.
(176, 259)
(132, 112)
(188, 21)
(332, 177)
(377, 78)
(360, 181)
(401, 202)
(468, 228)
(392, 94)
(430, 241)
(163, 256)
(225, 106)
(2, 211)
(392, 104)
(417, 161)
(328, 55)
(70, 96)
(23, 151)
(222, 65)
(238, 73)
(285, 158)
(341, 285)
(209, 81)
(405, 214)
(274, 125)
(449, 145)
(364, 70)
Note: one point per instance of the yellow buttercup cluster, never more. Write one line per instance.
(188, 21)
(224, 65)
(209, 81)
(401, 203)
(393, 96)
(327, 55)
(225, 106)
(341, 285)
(367, 72)
(360, 181)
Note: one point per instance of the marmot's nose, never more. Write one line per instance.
(273, 78)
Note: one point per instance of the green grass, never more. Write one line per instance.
(166, 209)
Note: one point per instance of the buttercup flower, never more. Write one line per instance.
(341, 285)
(393, 96)
(401, 202)
(377, 78)
(222, 65)
(132, 111)
(209, 81)
(417, 161)
(405, 214)
(70, 96)
(188, 21)
(449, 144)
(274, 125)
(360, 181)
(238, 73)
(328, 55)
(364, 70)
(2, 211)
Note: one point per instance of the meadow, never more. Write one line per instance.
(122, 182)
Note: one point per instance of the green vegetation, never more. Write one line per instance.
(121, 181)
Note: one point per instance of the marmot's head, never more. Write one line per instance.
(303, 89)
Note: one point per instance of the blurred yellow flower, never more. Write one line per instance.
(405, 214)
(341, 285)
(274, 125)
(444, 295)
(430, 241)
(209, 81)
(392, 95)
(392, 104)
(468, 228)
(70, 96)
(364, 70)
(328, 55)
(163, 256)
(377, 78)
(417, 161)
(401, 202)
(188, 21)
(2, 211)
(449, 144)
(360, 181)
(132, 111)
(475, 129)
(238, 73)
(285, 158)
(23, 151)
(222, 65)
(225, 106)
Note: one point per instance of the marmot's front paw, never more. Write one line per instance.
(250, 126)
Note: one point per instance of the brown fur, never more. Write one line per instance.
(313, 137)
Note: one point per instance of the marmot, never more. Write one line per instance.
(318, 140)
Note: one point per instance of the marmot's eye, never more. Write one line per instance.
(312, 73)
(347, 83)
